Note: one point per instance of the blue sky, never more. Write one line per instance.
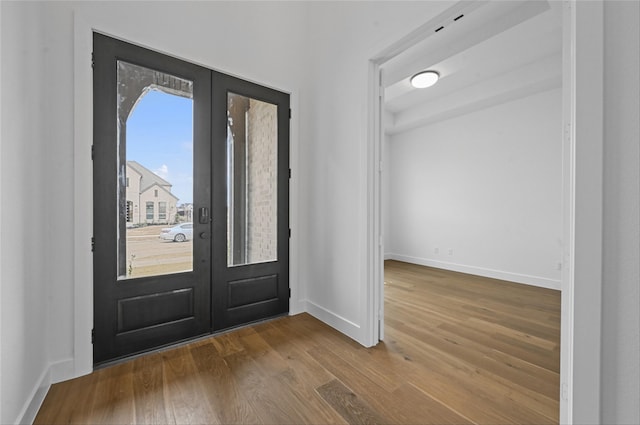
(160, 137)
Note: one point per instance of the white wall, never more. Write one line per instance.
(620, 295)
(343, 36)
(23, 264)
(481, 193)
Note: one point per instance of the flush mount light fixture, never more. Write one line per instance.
(424, 79)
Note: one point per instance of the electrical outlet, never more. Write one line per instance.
(436, 250)
(451, 251)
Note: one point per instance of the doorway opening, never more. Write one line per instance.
(447, 46)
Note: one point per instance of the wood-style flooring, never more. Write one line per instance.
(458, 349)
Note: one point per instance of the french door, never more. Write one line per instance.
(191, 200)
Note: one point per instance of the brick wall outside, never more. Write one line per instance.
(262, 181)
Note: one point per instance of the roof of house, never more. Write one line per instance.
(162, 188)
(149, 178)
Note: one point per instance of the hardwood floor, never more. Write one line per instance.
(458, 349)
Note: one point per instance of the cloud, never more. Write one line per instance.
(162, 171)
(188, 146)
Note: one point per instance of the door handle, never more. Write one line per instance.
(203, 215)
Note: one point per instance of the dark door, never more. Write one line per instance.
(167, 185)
(251, 192)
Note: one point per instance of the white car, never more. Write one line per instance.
(178, 233)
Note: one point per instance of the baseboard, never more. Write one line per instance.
(55, 372)
(62, 371)
(31, 407)
(540, 282)
(297, 307)
(347, 327)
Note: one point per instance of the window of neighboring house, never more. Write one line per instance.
(149, 210)
(156, 193)
(129, 209)
(162, 210)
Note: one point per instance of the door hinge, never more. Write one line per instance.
(93, 152)
(93, 244)
(93, 336)
(289, 113)
(567, 132)
(289, 172)
(93, 60)
(289, 233)
(289, 292)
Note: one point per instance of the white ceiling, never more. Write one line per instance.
(497, 51)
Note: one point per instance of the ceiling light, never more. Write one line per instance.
(424, 79)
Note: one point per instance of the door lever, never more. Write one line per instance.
(203, 215)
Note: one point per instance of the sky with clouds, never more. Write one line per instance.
(160, 137)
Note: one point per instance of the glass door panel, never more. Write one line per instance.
(252, 181)
(155, 170)
(250, 131)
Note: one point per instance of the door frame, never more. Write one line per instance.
(582, 177)
(80, 361)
